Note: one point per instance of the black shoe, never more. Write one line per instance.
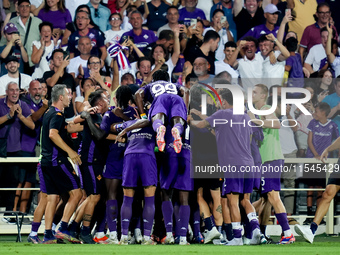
(308, 221)
(74, 234)
(9, 220)
(86, 239)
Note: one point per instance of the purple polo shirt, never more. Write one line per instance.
(233, 141)
(13, 139)
(142, 40)
(311, 36)
(261, 30)
(186, 16)
(30, 137)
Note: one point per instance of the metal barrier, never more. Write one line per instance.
(329, 215)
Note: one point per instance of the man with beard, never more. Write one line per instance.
(29, 140)
(13, 75)
(15, 114)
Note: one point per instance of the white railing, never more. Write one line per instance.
(330, 213)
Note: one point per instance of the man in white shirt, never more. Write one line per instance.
(13, 75)
(317, 58)
(223, 65)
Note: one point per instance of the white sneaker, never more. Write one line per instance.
(148, 241)
(305, 232)
(138, 235)
(211, 235)
(246, 241)
(183, 241)
(113, 240)
(256, 238)
(169, 239)
(124, 240)
(235, 242)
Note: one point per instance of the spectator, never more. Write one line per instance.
(160, 52)
(273, 71)
(57, 75)
(30, 31)
(166, 39)
(311, 35)
(100, 14)
(36, 6)
(115, 33)
(29, 139)
(195, 38)
(94, 66)
(97, 38)
(144, 67)
(250, 16)
(73, 6)
(207, 50)
(250, 66)
(223, 31)
(333, 59)
(87, 86)
(116, 6)
(333, 100)
(157, 14)
(200, 69)
(14, 47)
(191, 12)
(42, 50)
(56, 13)
(14, 75)
(227, 7)
(72, 26)
(15, 114)
(271, 13)
(317, 58)
(140, 36)
(325, 87)
(172, 15)
(223, 65)
(294, 65)
(78, 65)
(303, 12)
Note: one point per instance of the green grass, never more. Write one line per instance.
(322, 245)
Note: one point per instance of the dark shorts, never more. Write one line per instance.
(114, 170)
(93, 180)
(41, 179)
(27, 172)
(175, 173)
(141, 167)
(60, 179)
(212, 184)
(169, 104)
(271, 180)
(334, 177)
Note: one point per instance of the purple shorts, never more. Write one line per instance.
(114, 170)
(233, 182)
(175, 173)
(41, 179)
(169, 104)
(271, 176)
(137, 167)
(248, 183)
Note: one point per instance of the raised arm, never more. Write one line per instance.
(330, 55)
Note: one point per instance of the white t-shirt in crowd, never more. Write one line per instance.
(44, 64)
(221, 66)
(5, 79)
(170, 67)
(315, 55)
(273, 74)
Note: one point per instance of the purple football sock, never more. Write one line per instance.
(156, 124)
(197, 221)
(35, 226)
(184, 215)
(179, 127)
(237, 233)
(148, 214)
(283, 221)
(168, 211)
(111, 214)
(126, 213)
(176, 215)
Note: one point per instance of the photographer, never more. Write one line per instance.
(13, 47)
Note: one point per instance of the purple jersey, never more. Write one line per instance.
(323, 135)
(233, 138)
(142, 40)
(261, 30)
(141, 140)
(157, 88)
(30, 137)
(186, 16)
